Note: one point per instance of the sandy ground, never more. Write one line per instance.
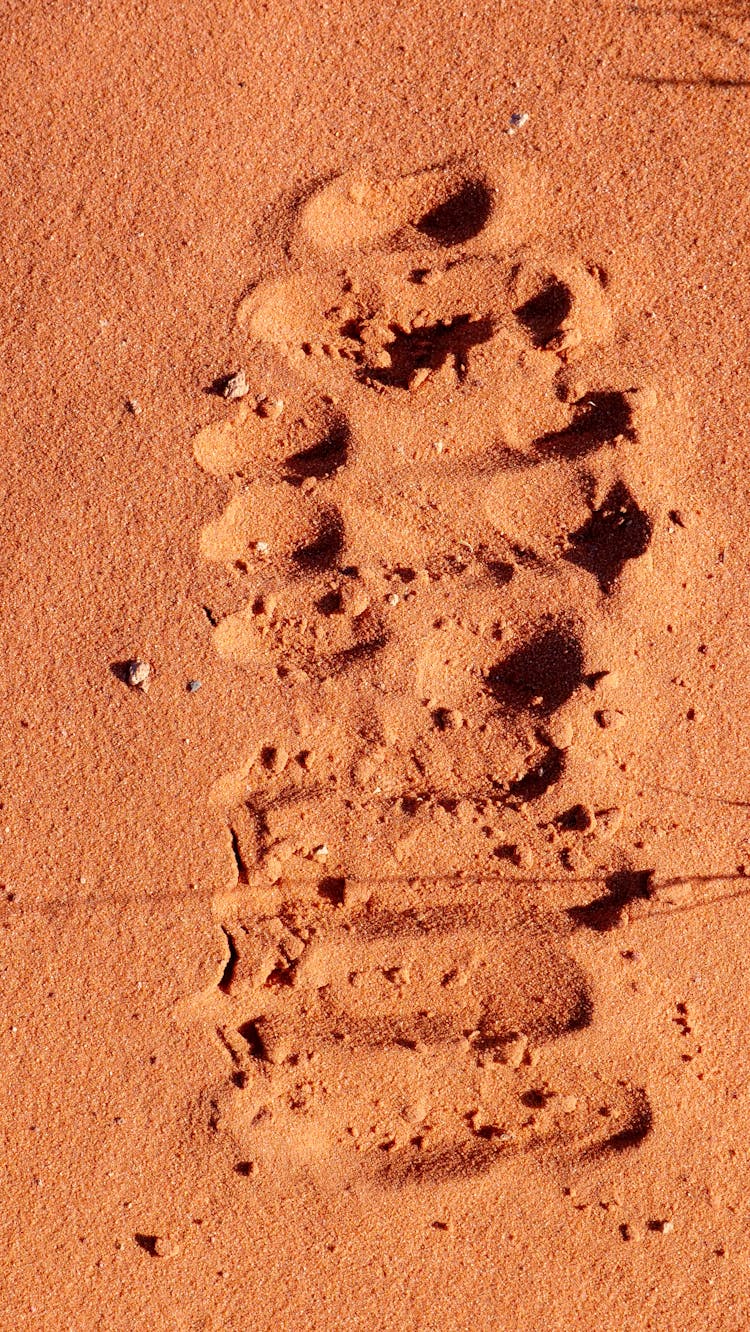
(396, 976)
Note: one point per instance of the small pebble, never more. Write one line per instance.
(133, 406)
(313, 970)
(275, 1048)
(646, 397)
(262, 548)
(354, 599)
(356, 893)
(193, 686)
(417, 1111)
(608, 719)
(418, 377)
(235, 386)
(517, 121)
(138, 675)
(607, 681)
(512, 1048)
(663, 1227)
(381, 359)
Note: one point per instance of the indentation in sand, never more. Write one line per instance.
(431, 551)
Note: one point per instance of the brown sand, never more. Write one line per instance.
(396, 976)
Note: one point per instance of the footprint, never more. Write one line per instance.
(434, 1013)
(561, 306)
(442, 206)
(418, 544)
(396, 320)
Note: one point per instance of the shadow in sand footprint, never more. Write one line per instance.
(605, 912)
(600, 418)
(461, 1160)
(429, 348)
(618, 531)
(638, 1125)
(567, 1008)
(326, 547)
(540, 776)
(543, 314)
(324, 458)
(548, 998)
(501, 571)
(359, 653)
(461, 217)
(149, 1244)
(543, 673)
(492, 1143)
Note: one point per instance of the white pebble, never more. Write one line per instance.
(138, 675)
(235, 386)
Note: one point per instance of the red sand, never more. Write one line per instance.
(395, 977)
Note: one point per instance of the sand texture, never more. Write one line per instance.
(375, 774)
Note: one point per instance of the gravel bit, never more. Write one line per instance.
(235, 386)
(138, 675)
